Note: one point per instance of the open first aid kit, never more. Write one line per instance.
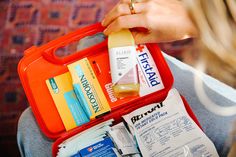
(73, 100)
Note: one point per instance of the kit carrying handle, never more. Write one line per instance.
(49, 52)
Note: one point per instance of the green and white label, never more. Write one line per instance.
(54, 85)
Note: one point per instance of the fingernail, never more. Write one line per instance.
(103, 22)
(105, 31)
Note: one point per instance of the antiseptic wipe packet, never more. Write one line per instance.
(123, 140)
(165, 129)
(103, 148)
(74, 144)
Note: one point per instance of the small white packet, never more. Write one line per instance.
(88, 131)
(88, 137)
(74, 148)
(123, 140)
(166, 129)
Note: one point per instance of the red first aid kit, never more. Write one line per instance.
(41, 63)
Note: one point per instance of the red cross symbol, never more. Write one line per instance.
(140, 48)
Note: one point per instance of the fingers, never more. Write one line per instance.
(143, 38)
(127, 21)
(123, 9)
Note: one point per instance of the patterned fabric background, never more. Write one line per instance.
(24, 23)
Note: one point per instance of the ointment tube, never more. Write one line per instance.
(123, 64)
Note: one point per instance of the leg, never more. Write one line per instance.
(31, 141)
(215, 115)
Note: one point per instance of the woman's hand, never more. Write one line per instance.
(165, 20)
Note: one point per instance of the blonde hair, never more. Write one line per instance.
(215, 20)
(216, 24)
